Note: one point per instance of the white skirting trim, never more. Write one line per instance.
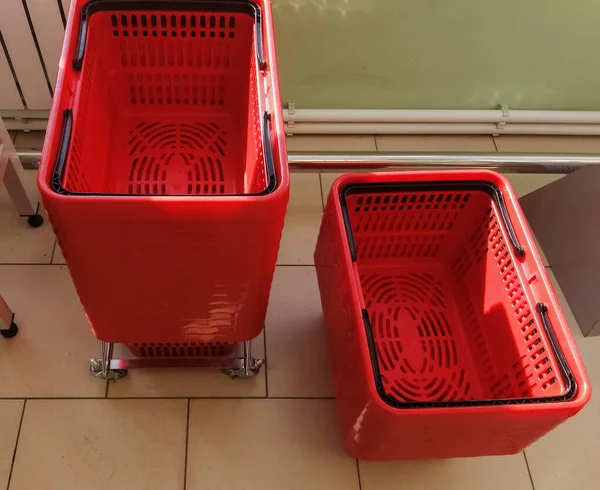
(501, 121)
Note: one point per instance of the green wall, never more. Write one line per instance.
(439, 54)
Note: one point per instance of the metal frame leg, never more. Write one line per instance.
(247, 358)
(101, 367)
(251, 367)
(237, 367)
(106, 353)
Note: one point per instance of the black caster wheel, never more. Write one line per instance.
(35, 220)
(10, 331)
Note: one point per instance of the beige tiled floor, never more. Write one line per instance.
(58, 257)
(568, 457)
(491, 473)
(298, 364)
(19, 243)
(99, 444)
(302, 220)
(70, 430)
(433, 143)
(268, 443)
(544, 144)
(48, 358)
(331, 143)
(10, 420)
(525, 183)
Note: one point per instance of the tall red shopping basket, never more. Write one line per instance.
(164, 170)
(445, 336)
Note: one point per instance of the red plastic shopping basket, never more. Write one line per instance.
(164, 171)
(446, 338)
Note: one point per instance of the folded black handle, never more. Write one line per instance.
(191, 5)
(268, 154)
(433, 186)
(65, 141)
(63, 150)
(568, 378)
(501, 205)
(566, 373)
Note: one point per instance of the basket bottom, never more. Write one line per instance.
(169, 154)
(429, 337)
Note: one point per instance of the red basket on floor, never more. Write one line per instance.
(164, 171)
(446, 339)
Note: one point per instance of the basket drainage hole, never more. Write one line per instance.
(532, 279)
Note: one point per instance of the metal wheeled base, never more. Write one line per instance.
(238, 367)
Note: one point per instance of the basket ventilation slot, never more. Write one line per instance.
(192, 151)
(426, 344)
(173, 25)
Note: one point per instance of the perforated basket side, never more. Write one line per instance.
(254, 152)
(77, 169)
(534, 373)
(383, 223)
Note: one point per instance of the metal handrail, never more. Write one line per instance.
(503, 162)
(550, 163)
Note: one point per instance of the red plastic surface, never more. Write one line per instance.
(148, 267)
(169, 109)
(452, 311)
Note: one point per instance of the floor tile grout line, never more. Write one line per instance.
(12, 464)
(266, 366)
(64, 265)
(187, 438)
(358, 475)
(31, 263)
(495, 145)
(53, 250)
(529, 471)
(182, 397)
(321, 187)
(107, 388)
(295, 265)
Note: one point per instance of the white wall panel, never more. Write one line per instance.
(23, 54)
(50, 32)
(9, 95)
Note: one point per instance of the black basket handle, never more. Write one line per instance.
(566, 373)
(65, 141)
(192, 5)
(496, 193)
(565, 370)
(63, 150)
(458, 185)
(268, 153)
